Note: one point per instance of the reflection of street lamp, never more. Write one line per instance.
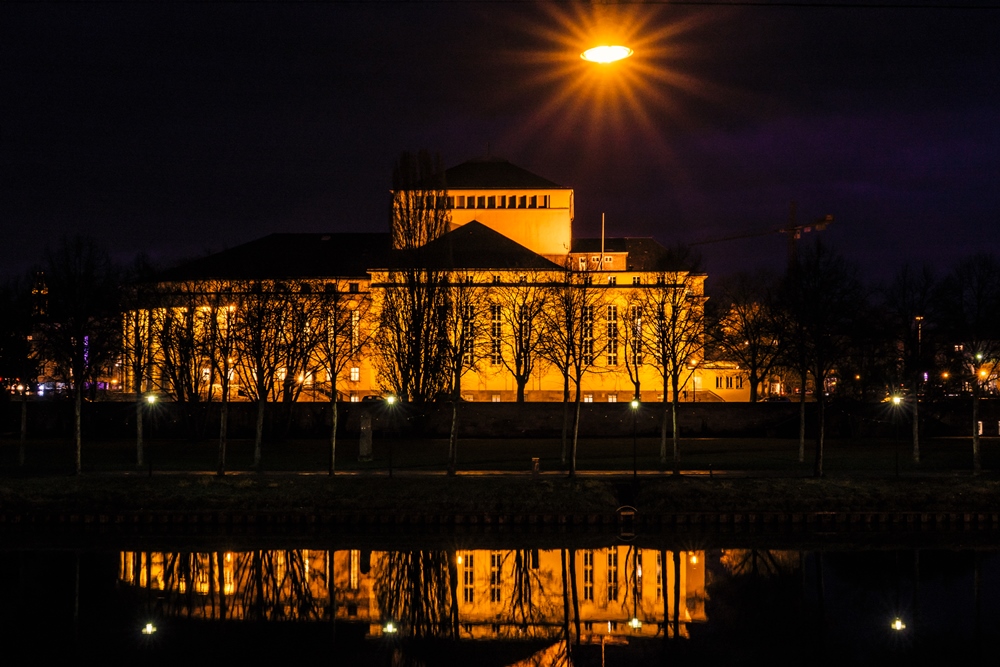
(897, 624)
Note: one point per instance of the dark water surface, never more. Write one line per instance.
(467, 601)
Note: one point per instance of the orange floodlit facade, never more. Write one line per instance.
(506, 244)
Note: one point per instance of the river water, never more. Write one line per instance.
(483, 601)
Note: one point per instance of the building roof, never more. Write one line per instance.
(471, 246)
(493, 174)
(290, 256)
(644, 253)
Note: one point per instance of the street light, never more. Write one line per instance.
(897, 402)
(603, 55)
(635, 466)
(390, 401)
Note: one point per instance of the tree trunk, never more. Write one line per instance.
(977, 463)
(335, 417)
(77, 424)
(521, 383)
(576, 433)
(663, 425)
(139, 445)
(24, 427)
(821, 434)
(916, 421)
(259, 436)
(576, 598)
(802, 416)
(565, 422)
(223, 434)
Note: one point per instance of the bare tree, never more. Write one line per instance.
(81, 324)
(747, 328)
(968, 304)
(346, 334)
(822, 296)
(412, 297)
(572, 344)
(137, 345)
(464, 343)
(259, 343)
(521, 306)
(16, 360)
(674, 337)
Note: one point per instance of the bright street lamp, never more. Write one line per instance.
(606, 54)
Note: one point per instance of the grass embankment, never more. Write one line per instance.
(472, 495)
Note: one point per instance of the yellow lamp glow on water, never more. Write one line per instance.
(897, 624)
(606, 54)
(149, 629)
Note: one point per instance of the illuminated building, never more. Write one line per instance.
(507, 242)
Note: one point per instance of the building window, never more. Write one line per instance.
(468, 333)
(612, 574)
(718, 382)
(636, 280)
(661, 280)
(612, 331)
(355, 398)
(496, 280)
(612, 398)
(468, 577)
(588, 398)
(496, 565)
(612, 280)
(460, 201)
(588, 575)
(496, 333)
(545, 202)
(609, 260)
(638, 573)
(533, 201)
(355, 374)
(491, 201)
(481, 201)
(355, 332)
(522, 201)
(636, 317)
(354, 570)
(495, 398)
(353, 288)
(587, 320)
(659, 575)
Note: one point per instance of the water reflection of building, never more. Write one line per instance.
(613, 591)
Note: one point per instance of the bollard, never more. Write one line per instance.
(534, 466)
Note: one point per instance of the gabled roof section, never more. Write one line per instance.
(493, 174)
(644, 253)
(471, 246)
(289, 256)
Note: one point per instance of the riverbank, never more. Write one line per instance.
(507, 494)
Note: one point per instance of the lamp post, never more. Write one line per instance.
(635, 465)
(391, 402)
(897, 402)
(150, 402)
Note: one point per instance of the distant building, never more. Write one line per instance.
(531, 304)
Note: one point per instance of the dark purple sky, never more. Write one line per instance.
(185, 128)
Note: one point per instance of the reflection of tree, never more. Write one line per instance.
(414, 591)
(756, 562)
(527, 586)
(274, 585)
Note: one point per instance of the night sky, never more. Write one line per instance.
(186, 128)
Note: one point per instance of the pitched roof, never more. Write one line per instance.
(644, 253)
(471, 246)
(289, 256)
(495, 173)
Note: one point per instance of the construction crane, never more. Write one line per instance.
(793, 230)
